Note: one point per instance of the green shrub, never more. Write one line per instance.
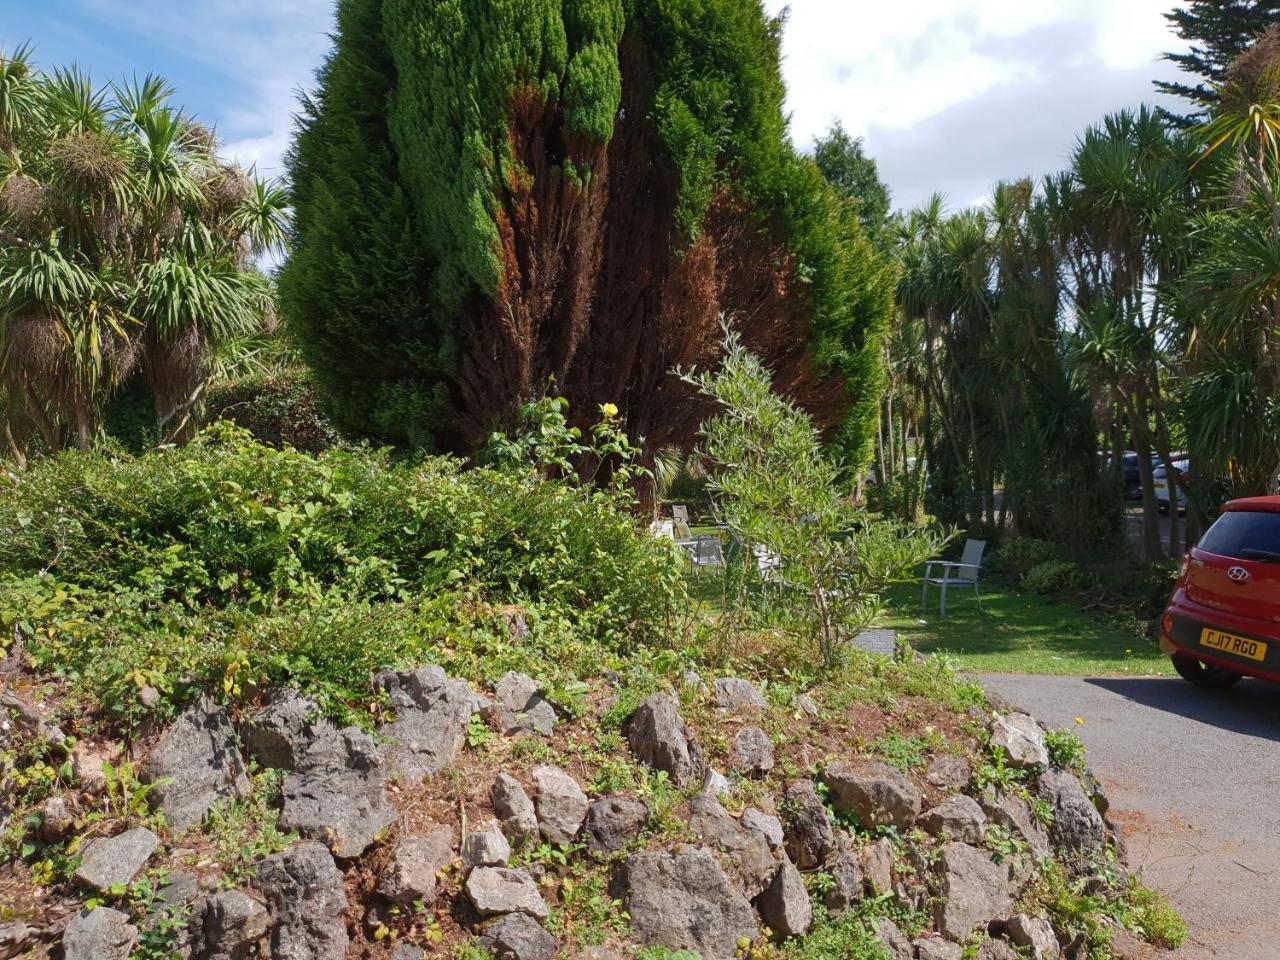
(1148, 914)
(230, 565)
(230, 521)
(1020, 555)
(777, 489)
(1053, 576)
(1065, 748)
(278, 408)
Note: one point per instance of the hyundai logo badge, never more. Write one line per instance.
(1238, 575)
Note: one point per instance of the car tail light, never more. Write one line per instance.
(1166, 623)
(1186, 564)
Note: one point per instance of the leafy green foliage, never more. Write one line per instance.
(1019, 555)
(782, 498)
(126, 251)
(1147, 913)
(854, 175)
(907, 753)
(227, 561)
(1053, 576)
(1216, 34)
(1065, 749)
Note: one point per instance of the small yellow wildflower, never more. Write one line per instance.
(1079, 720)
(609, 410)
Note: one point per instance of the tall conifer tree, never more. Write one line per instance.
(1218, 32)
(493, 193)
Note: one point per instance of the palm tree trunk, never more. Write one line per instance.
(41, 419)
(19, 455)
(1151, 546)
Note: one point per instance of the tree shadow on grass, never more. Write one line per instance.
(1251, 707)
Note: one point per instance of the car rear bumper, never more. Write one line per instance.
(1184, 622)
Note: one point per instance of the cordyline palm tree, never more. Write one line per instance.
(1231, 296)
(126, 247)
(1121, 212)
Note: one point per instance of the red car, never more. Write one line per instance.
(1222, 622)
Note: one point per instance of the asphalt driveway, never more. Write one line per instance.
(1194, 781)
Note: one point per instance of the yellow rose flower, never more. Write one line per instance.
(609, 410)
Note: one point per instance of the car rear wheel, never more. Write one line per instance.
(1206, 675)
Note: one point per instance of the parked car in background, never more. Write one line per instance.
(1167, 492)
(1130, 474)
(1222, 621)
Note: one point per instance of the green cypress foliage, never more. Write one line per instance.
(453, 148)
(1218, 32)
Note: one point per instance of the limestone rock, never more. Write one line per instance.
(498, 890)
(877, 865)
(194, 765)
(894, 940)
(735, 695)
(848, 885)
(116, 860)
(803, 703)
(956, 818)
(86, 764)
(31, 720)
(99, 934)
(948, 772)
(660, 738)
(560, 804)
(716, 784)
(745, 852)
(486, 847)
(683, 901)
(519, 706)
(1013, 814)
(431, 712)
(613, 822)
(280, 733)
(1021, 739)
(1035, 934)
(766, 824)
(308, 903)
(1077, 826)
(875, 793)
(808, 836)
(233, 923)
(997, 950)
(936, 948)
(784, 905)
(973, 890)
(517, 936)
(56, 819)
(514, 808)
(180, 887)
(751, 751)
(415, 861)
(347, 809)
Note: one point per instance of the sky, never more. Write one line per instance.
(950, 95)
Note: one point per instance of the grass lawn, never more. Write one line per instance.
(1021, 633)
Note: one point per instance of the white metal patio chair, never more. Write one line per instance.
(707, 552)
(962, 574)
(680, 512)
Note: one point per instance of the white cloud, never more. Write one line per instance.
(264, 51)
(950, 94)
(1025, 77)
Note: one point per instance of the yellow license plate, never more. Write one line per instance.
(1230, 643)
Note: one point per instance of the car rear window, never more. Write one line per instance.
(1240, 530)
